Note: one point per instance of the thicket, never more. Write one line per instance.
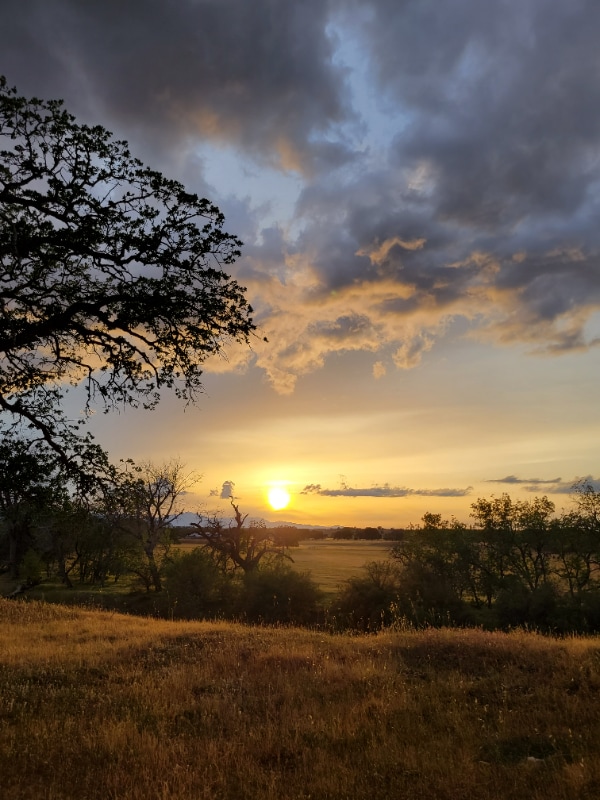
(518, 565)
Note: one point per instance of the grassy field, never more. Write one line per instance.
(99, 705)
(331, 562)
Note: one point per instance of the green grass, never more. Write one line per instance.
(99, 705)
(329, 562)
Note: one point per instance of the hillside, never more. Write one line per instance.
(100, 705)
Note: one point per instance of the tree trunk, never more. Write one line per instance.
(154, 571)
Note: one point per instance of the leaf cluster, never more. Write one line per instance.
(110, 273)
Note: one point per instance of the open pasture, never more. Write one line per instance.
(329, 561)
(102, 706)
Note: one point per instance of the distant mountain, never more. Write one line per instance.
(188, 517)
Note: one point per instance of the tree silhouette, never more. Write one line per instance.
(144, 504)
(111, 275)
(31, 486)
(236, 547)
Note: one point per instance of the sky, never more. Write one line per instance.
(417, 186)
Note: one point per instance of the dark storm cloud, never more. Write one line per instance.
(479, 200)
(502, 99)
(494, 170)
(259, 75)
(384, 491)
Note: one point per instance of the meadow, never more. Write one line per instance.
(330, 562)
(101, 705)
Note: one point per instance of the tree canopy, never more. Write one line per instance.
(111, 275)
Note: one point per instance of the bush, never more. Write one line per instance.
(279, 594)
(518, 605)
(427, 596)
(368, 602)
(31, 568)
(196, 587)
(590, 610)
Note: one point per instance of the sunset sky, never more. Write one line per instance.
(417, 185)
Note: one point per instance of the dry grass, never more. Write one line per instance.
(94, 705)
(331, 562)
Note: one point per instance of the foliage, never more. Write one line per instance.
(143, 505)
(111, 274)
(521, 563)
(32, 568)
(521, 566)
(196, 587)
(368, 602)
(33, 486)
(279, 594)
(368, 533)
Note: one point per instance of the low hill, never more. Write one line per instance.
(100, 705)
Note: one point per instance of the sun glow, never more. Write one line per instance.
(278, 498)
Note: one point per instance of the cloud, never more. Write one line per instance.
(501, 103)
(383, 491)
(260, 76)
(379, 370)
(549, 486)
(566, 487)
(514, 480)
(378, 253)
(226, 491)
(471, 193)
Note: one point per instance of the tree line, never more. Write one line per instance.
(55, 529)
(518, 564)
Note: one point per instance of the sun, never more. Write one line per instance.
(278, 498)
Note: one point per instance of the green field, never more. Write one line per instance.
(329, 563)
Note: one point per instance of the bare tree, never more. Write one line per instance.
(236, 547)
(145, 504)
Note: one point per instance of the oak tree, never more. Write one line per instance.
(145, 502)
(111, 275)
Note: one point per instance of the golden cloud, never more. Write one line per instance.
(379, 253)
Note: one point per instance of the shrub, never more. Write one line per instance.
(368, 602)
(539, 608)
(427, 596)
(31, 568)
(279, 594)
(196, 587)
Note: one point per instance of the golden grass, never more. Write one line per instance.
(99, 705)
(329, 561)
